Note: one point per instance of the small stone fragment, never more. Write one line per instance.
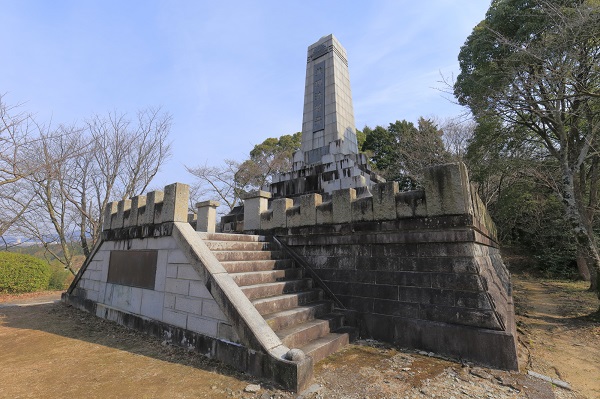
(252, 388)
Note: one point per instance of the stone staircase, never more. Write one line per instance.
(288, 301)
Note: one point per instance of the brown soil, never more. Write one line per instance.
(558, 339)
(54, 351)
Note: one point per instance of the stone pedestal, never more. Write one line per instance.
(207, 216)
(255, 203)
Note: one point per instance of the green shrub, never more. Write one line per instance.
(532, 217)
(22, 273)
(60, 277)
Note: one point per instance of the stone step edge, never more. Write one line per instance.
(304, 283)
(231, 237)
(321, 348)
(312, 310)
(292, 336)
(295, 274)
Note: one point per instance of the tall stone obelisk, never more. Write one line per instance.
(328, 111)
(328, 159)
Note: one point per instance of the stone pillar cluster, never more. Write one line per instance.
(157, 207)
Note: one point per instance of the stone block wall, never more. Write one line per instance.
(420, 269)
(424, 273)
(178, 298)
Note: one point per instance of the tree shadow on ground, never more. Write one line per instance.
(66, 321)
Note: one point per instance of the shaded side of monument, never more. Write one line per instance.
(328, 251)
(419, 269)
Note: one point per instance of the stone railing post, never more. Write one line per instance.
(447, 190)
(207, 216)
(255, 203)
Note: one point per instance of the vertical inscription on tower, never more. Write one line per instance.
(319, 96)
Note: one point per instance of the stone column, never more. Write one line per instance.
(207, 216)
(255, 203)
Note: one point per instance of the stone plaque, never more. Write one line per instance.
(133, 268)
(319, 97)
(319, 51)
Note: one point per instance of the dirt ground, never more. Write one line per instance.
(557, 338)
(53, 351)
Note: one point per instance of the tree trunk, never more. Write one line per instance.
(582, 266)
(595, 280)
(585, 241)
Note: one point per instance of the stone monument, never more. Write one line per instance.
(329, 159)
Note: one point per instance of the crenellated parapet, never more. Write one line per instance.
(446, 191)
(146, 215)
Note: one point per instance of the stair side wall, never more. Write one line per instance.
(178, 298)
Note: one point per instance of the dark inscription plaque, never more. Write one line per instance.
(319, 51)
(319, 97)
(133, 268)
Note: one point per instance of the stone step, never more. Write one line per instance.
(257, 291)
(247, 255)
(322, 347)
(230, 237)
(237, 245)
(287, 301)
(242, 266)
(291, 317)
(300, 334)
(269, 276)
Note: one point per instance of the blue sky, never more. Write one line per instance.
(230, 72)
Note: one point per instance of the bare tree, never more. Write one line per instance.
(123, 158)
(220, 183)
(52, 218)
(78, 171)
(456, 135)
(14, 166)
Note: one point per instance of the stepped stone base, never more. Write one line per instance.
(435, 284)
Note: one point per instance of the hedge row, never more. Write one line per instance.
(23, 273)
